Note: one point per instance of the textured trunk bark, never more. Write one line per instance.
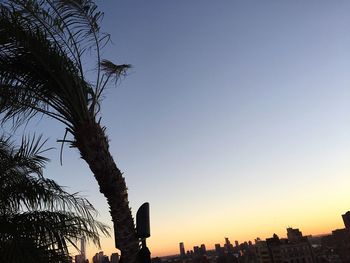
(94, 149)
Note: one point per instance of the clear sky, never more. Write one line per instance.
(234, 121)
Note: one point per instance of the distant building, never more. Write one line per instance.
(218, 249)
(79, 259)
(262, 252)
(115, 258)
(294, 235)
(295, 249)
(227, 243)
(100, 258)
(203, 250)
(182, 249)
(236, 243)
(346, 219)
(83, 248)
(338, 243)
(196, 250)
(228, 246)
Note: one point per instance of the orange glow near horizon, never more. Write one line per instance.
(163, 244)
(313, 211)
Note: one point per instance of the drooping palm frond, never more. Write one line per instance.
(50, 229)
(21, 250)
(25, 159)
(36, 214)
(38, 193)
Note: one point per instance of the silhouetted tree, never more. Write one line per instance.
(42, 49)
(38, 219)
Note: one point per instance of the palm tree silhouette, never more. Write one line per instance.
(42, 49)
(38, 219)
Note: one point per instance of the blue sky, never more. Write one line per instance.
(233, 111)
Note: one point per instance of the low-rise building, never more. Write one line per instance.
(294, 249)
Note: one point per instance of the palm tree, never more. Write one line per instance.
(43, 45)
(38, 219)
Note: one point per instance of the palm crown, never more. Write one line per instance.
(42, 50)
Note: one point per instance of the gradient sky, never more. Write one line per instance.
(234, 121)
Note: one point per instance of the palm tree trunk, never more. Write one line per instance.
(91, 141)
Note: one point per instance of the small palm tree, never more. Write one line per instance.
(43, 44)
(38, 219)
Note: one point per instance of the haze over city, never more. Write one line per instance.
(233, 122)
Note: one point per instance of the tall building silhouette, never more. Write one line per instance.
(82, 256)
(295, 249)
(218, 249)
(115, 258)
(83, 248)
(182, 249)
(228, 246)
(196, 250)
(79, 259)
(203, 249)
(346, 219)
(227, 242)
(294, 234)
(339, 240)
(100, 258)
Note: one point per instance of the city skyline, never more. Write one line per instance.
(225, 240)
(234, 120)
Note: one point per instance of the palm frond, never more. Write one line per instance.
(112, 69)
(25, 159)
(82, 17)
(26, 250)
(35, 211)
(50, 229)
